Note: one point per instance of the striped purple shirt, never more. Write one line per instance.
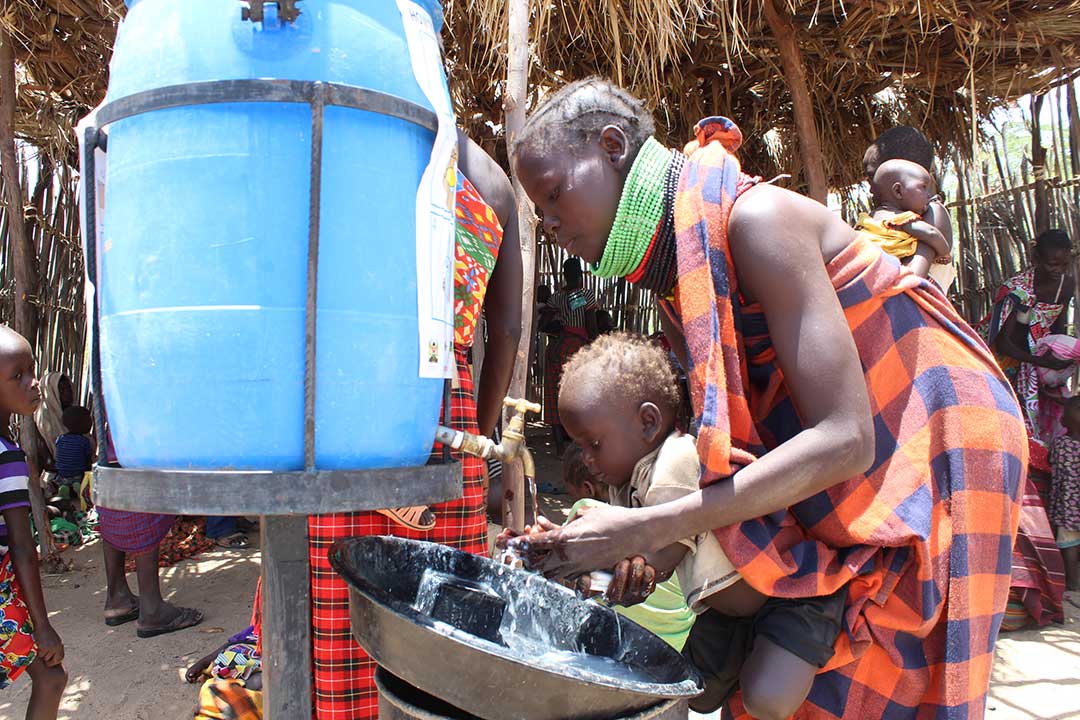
(14, 483)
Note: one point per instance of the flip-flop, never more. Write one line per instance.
(115, 620)
(233, 541)
(417, 517)
(186, 618)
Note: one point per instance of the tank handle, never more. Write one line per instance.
(286, 10)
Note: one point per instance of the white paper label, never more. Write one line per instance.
(435, 201)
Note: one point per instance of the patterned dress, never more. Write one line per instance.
(570, 306)
(1038, 572)
(922, 539)
(343, 673)
(17, 646)
(1065, 495)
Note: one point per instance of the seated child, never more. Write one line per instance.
(618, 399)
(75, 449)
(664, 612)
(1065, 492)
(901, 193)
(27, 638)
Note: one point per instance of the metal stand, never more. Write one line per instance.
(284, 499)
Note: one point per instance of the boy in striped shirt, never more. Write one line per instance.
(28, 640)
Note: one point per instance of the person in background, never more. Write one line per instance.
(575, 308)
(1029, 307)
(902, 195)
(75, 449)
(488, 276)
(1065, 494)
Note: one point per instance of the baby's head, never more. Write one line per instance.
(580, 484)
(903, 185)
(20, 393)
(618, 399)
(1071, 417)
(77, 420)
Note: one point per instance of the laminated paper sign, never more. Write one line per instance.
(434, 202)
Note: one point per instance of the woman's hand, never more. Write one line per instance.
(599, 539)
(1052, 362)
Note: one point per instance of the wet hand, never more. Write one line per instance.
(598, 539)
(634, 582)
(50, 647)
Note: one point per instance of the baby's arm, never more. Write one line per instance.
(928, 235)
(920, 262)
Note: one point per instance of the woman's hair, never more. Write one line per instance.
(620, 365)
(901, 143)
(1053, 239)
(578, 112)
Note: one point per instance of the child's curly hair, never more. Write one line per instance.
(623, 365)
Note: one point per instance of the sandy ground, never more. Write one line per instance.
(116, 676)
(113, 674)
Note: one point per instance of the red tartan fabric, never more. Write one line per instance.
(1038, 571)
(923, 539)
(133, 532)
(343, 673)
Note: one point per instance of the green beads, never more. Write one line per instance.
(641, 207)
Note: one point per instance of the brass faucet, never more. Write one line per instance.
(511, 447)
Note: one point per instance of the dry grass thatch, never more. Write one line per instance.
(871, 64)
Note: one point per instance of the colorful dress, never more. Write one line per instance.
(17, 646)
(1038, 584)
(344, 684)
(1065, 494)
(921, 539)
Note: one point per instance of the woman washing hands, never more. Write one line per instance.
(855, 434)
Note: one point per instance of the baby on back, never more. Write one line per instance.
(902, 191)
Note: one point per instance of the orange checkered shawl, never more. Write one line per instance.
(923, 539)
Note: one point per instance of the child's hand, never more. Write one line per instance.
(49, 645)
(633, 582)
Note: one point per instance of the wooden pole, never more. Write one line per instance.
(1038, 167)
(786, 36)
(517, 85)
(26, 274)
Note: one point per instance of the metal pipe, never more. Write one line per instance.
(511, 448)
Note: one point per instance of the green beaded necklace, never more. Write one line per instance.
(641, 207)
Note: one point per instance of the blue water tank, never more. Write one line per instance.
(203, 253)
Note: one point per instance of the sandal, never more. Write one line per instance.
(233, 541)
(417, 517)
(187, 617)
(116, 620)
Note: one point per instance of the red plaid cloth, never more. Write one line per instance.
(133, 532)
(344, 685)
(923, 539)
(1038, 571)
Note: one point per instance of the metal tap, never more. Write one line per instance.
(510, 448)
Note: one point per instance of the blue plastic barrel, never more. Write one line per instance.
(203, 254)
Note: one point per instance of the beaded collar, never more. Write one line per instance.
(641, 208)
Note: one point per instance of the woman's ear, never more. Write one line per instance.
(614, 144)
(652, 421)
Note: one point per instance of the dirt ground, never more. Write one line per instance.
(116, 676)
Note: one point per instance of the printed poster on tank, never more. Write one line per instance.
(435, 201)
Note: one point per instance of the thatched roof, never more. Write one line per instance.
(871, 63)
